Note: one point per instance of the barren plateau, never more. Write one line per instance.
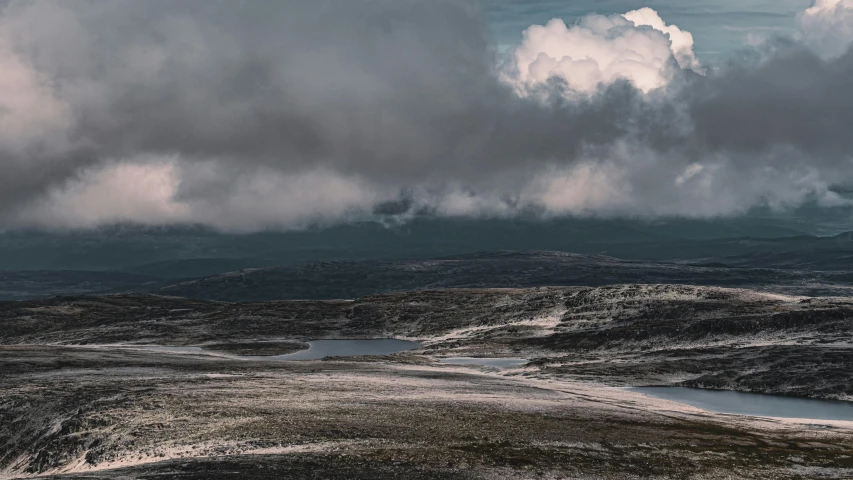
(76, 403)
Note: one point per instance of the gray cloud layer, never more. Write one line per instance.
(235, 106)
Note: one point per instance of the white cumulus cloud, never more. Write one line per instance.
(827, 27)
(638, 46)
(682, 40)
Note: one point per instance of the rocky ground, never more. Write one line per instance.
(73, 407)
(620, 335)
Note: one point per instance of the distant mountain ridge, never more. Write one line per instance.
(352, 279)
(189, 252)
(358, 259)
(800, 272)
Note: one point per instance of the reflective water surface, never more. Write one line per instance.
(755, 404)
(317, 349)
(486, 362)
(346, 348)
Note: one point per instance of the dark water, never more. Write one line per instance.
(346, 348)
(486, 362)
(317, 349)
(755, 404)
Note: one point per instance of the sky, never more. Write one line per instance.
(721, 28)
(246, 115)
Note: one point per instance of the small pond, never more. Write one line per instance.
(318, 349)
(755, 404)
(486, 362)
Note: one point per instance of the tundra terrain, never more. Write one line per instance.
(84, 398)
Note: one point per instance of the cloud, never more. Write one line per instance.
(34, 127)
(265, 198)
(123, 192)
(253, 115)
(827, 27)
(681, 41)
(155, 191)
(638, 47)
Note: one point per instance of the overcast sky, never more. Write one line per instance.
(247, 115)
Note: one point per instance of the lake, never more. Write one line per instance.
(755, 404)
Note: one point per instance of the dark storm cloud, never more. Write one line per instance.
(382, 87)
(399, 92)
(388, 89)
(792, 98)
